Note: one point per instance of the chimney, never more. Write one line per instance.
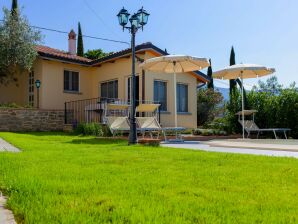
(72, 43)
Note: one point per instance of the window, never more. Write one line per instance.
(71, 81)
(109, 89)
(160, 94)
(31, 88)
(182, 98)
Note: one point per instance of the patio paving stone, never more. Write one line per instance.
(7, 147)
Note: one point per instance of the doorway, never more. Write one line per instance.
(137, 89)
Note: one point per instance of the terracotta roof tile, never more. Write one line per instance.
(48, 51)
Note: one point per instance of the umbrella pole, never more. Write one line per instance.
(242, 97)
(175, 97)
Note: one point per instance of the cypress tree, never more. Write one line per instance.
(232, 62)
(14, 6)
(234, 82)
(209, 73)
(80, 48)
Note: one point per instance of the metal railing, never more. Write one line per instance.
(93, 110)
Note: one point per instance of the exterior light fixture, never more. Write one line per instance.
(37, 84)
(143, 16)
(137, 21)
(123, 17)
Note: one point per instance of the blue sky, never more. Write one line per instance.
(261, 31)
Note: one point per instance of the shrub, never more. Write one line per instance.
(276, 110)
(220, 124)
(208, 132)
(94, 129)
(232, 107)
(277, 107)
(209, 105)
(223, 133)
(14, 105)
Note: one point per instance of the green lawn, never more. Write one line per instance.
(68, 179)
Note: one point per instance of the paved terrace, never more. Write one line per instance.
(6, 147)
(272, 147)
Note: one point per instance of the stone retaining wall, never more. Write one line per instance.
(19, 120)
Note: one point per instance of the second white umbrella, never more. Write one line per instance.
(243, 71)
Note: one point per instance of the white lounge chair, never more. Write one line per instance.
(116, 117)
(151, 124)
(148, 123)
(118, 124)
(250, 126)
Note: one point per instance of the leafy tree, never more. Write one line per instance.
(80, 48)
(208, 105)
(232, 62)
(17, 46)
(96, 54)
(246, 105)
(209, 73)
(271, 86)
(232, 107)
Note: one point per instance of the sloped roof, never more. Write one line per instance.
(139, 48)
(51, 53)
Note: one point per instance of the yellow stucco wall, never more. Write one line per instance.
(117, 70)
(18, 94)
(14, 92)
(52, 91)
(53, 96)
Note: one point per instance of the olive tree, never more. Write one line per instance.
(17, 46)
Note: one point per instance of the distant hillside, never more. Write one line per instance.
(225, 92)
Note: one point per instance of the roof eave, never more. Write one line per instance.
(62, 59)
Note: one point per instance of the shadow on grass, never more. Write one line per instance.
(98, 141)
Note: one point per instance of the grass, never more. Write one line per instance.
(60, 178)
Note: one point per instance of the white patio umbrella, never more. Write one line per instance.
(243, 71)
(175, 64)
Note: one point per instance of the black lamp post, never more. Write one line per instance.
(137, 21)
(37, 84)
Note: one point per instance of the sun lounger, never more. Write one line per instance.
(250, 127)
(117, 118)
(118, 124)
(150, 124)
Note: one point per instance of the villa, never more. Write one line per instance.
(67, 77)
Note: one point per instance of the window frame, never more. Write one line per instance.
(31, 88)
(107, 83)
(165, 109)
(178, 93)
(70, 81)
